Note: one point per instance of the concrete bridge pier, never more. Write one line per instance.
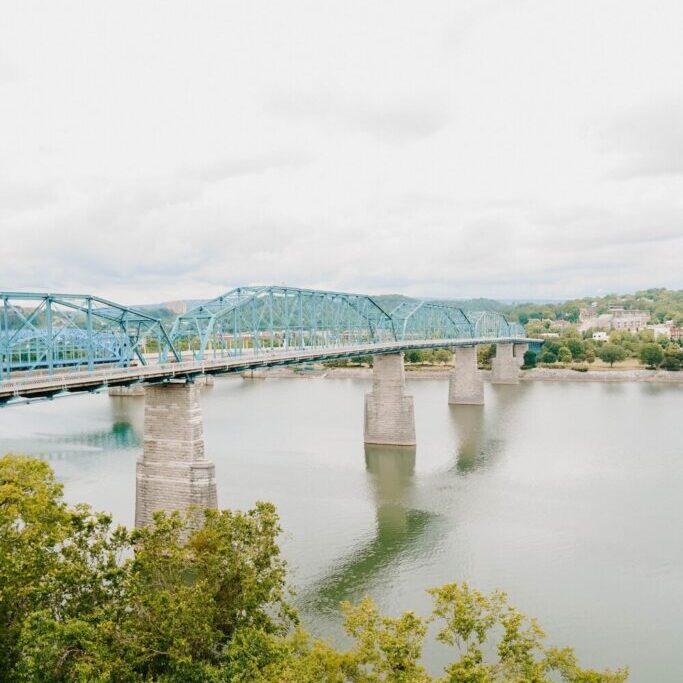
(466, 384)
(173, 473)
(519, 351)
(389, 414)
(505, 367)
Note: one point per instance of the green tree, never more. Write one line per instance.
(651, 355)
(472, 624)
(576, 346)
(564, 355)
(671, 362)
(72, 608)
(547, 356)
(529, 359)
(552, 345)
(611, 353)
(413, 356)
(201, 598)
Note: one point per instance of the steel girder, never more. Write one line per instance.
(256, 319)
(46, 332)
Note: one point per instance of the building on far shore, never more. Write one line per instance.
(600, 336)
(617, 318)
(664, 329)
(630, 319)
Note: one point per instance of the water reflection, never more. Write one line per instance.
(129, 411)
(120, 436)
(391, 470)
(398, 530)
(469, 424)
(122, 431)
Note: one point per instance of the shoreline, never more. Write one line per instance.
(534, 375)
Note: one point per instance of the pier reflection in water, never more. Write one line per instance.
(469, 424)
(398, 530)
(391, 470)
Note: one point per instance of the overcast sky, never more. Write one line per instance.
(163, 150)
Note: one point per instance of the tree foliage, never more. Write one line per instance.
(564, 355)
(651, 354)
(180, 600)
(611, 353)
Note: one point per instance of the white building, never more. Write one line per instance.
(661, 329)
(600, 336)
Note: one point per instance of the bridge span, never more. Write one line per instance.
(24, 388)
(54, 345)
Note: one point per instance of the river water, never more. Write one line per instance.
(565, 495)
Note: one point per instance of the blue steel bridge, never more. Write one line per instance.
(59, 344)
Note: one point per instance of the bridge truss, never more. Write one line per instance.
(259, 318)
(43, 333)
(256, 319)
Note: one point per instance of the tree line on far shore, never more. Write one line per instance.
(574, 349)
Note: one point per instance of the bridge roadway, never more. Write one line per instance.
(68, 383)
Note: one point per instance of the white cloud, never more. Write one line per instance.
(152, 151)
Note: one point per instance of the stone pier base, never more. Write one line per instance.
(519, 351)
(505, 367)
(172, 473)
(466, 384)
(389, 415)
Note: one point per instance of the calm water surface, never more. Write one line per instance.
(567, 496)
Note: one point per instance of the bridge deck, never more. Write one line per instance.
(48, 386)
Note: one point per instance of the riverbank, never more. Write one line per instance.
(431, 372)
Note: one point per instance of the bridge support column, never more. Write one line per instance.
(173, 472)
(519, 351)
(466, 384)
(505, 368)
(389, 415)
